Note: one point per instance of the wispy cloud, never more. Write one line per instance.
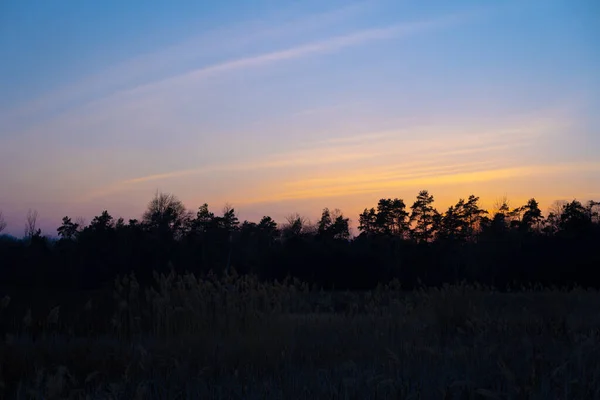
(89, 100)
(414, 179)
(329, 108)
(425, 149)
(145, 67)
(325, 46)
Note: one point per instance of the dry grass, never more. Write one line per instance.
(239, 338)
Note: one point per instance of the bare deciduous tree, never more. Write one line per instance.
(167, 213)
(2, 222)
(557, 207)
(555, 211)
(501, 206)
(295, 225)
(594, 207)
(230, 219)
(31, 223)
(81, 223)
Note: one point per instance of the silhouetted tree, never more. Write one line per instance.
(68, 229)
(31, 230)
(2, 222)
(532, 216)
(166, 215)
(501, 216)
(333, 225)
(102, 222)
(295, 226)
(367, 222)
(557, 207)
(268, 227)
(341, 226)
(552, 225)
(325, 221)
(81, 223)
(427, 248)
(451, 225)
(575, 218)
(229, 223)
(594, 210)
(462, 221)
(230, 220)
(201, 227)
(204, 219)
(424, 216)
(473, 216)
(391, 219)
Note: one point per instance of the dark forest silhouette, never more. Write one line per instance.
(416, 244)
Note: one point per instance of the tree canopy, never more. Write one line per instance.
(416, 244)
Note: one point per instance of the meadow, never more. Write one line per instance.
(238, 338)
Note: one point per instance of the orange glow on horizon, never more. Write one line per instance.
(373, 182)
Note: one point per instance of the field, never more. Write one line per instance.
(238, 338)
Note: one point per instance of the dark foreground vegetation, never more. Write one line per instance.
(238, 338)
(422, 305)
(416, 245)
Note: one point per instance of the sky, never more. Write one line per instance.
(278, 107)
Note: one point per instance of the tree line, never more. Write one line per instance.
(416, 244)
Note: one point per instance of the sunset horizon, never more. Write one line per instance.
(306, 199)
(294, 108)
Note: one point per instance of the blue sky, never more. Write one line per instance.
(279, 107)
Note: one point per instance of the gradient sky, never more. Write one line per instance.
(279, 107)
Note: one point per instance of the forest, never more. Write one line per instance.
(420, 304)
(412, 243)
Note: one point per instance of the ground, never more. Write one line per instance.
(192, 338)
